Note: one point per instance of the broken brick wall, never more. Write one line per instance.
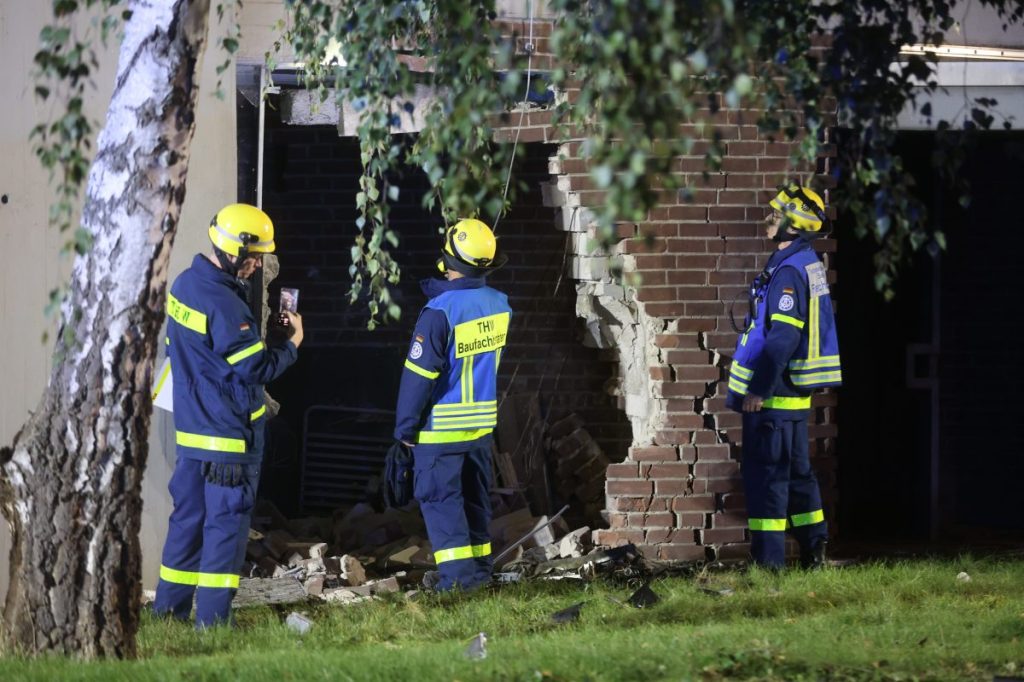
(310, 182)
(678, 494)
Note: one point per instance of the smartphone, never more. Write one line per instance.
(289, 301)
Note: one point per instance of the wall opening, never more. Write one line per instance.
(310, 181)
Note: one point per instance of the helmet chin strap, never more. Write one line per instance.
(225, 262)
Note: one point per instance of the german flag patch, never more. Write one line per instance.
(419, 338)
(787, 290)
(244, 327)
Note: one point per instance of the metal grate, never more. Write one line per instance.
(342, 449)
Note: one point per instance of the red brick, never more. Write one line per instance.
(687, 453)
(623, 470)
(692, 213)
(671, 470)
(686, 277)
(671, 486)
(646, 520)
(717, 452)
(693, 503)
(724, 485)
(648, 293)
(680, 552)
(734, 502)
(664, 309)
(709, 536)
(617, 520)
(734, 164)
(690, 262)
(655, 262)
(683, 421)
(729, 520)
(690, 520)
(714, 469)
(614, 538)
(624, 487)
(687, 357)
(733, 552)
(703, 309)
(653, 454)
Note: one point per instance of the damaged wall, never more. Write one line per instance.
(678, 494)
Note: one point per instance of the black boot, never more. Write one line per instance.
(813, 559)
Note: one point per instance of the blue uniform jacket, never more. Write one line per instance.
(431, 359)
(790, 347)
(219, 365)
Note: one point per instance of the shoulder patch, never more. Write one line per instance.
(786, 302)
(817, 280)
(416, 352)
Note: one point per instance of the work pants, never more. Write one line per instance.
(453, 489)
(206, 539)
(782, 490)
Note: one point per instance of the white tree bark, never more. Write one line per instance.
(70, 485)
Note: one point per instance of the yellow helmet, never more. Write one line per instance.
(241, 227)
(471, 249)
(801, 206)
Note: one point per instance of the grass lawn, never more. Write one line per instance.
(892, 621)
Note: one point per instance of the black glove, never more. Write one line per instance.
(224, 475)
(398, 477)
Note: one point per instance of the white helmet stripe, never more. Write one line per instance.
(236, 238)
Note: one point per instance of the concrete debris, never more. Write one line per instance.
(963, 577)
(352, 572)
(297, 622)
(477, 649)
(314, 585)
(574, 544)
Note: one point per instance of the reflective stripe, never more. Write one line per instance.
(482, 550)
(822, 362)
(465, 407)
(743, 339)
(453, 554)
(185, 316)
(772, 525)
(737, 386)
(497, 358)
(468, 418)
(480, 424)
(221, 580)
(244, 353)
(422, 372)
(173, 575)
(258, 413)
(214, 443)
(252, 246)
(786, 403)
(809, 518)
(741, 371)
(814, 342)
(466, 413)
(167, 340)
(467, 379)
(816, 378)
(779, 317)
(427, 437)
(163, 378)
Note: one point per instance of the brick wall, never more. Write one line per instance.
(679, 494)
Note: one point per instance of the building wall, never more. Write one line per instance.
(29, 248)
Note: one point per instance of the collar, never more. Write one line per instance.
(210, 272)
(799, 244)
(434, 287)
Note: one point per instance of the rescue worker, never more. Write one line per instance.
(789, 349)
(219, 365)
(447, 403)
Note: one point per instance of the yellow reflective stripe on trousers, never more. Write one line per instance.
(186, 316)
(426, 373)
(809, 518)
(430, 437)
(258, 413)
(788, 403)
(779, 317)
(453, 554)
(822, 362)
(814, 340)
(173, 575)
(816, 378)
(221, 580)
(214, 443)
(244, 353)
(772, 525)
(482, 550)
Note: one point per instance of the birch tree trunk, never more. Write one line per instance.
(71, 483)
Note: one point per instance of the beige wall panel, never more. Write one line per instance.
(29, 262)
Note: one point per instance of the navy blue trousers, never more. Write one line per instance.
(782, 490)
(206, 539)
(453, 489)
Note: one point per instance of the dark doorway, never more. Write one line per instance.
(309, 185)
(931, 446)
